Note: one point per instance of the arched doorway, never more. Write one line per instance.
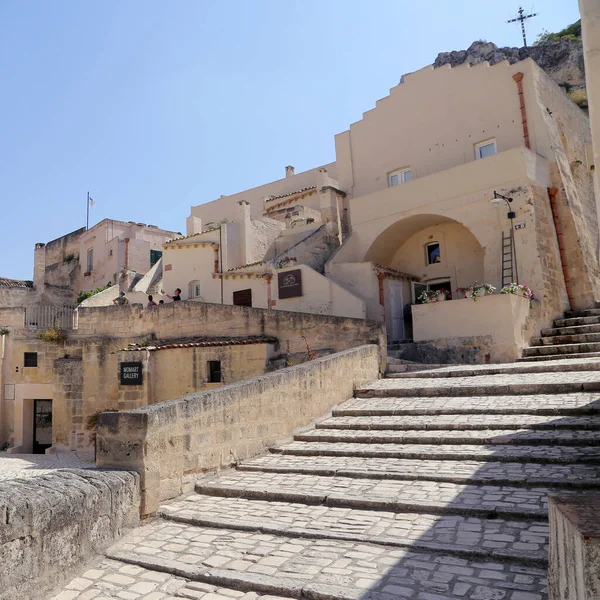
(441, 252)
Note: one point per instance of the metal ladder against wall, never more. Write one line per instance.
(508, 271)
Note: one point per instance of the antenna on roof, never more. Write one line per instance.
(522, 18)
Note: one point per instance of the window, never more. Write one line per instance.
(214, 371)
(194, 289)
(437, 284)
(433, 253)
(90, 260)
(398, 177)
(242, 298)
(155, 256)
(30, 359)
(485, 149)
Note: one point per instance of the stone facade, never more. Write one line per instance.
(81, 373)
(215, 429)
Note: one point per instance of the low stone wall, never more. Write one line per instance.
(488, 329)
(189, 319)
(53, 523)
(574, 565)
(206, 431)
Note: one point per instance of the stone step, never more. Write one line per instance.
(320, 569)
(451, 471)
(116, 579)
(559, 357)
(572, 365)
(489, 501)
(551, 405)
(487, 385)
(460, 422)
(575, 321)
(557, 340)
(496, 539)
(527, 437)
(587, 312)
(491, 453)
(410, 368)
(564, 349)
(572, 330)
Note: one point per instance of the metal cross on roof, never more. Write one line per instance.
(522, 19)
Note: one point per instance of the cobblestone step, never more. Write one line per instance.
(557, 357)
(430, 497)
(555, 340)
(493, 453)
(587, 312)
(572, 365)
(115, 579)
(488, 436)
(576, 321)
(541, 404)
(460, 422)
(451, 471)
(565, 349)
(321, 569)
(497, 539)
(488, 385)
(571, 330)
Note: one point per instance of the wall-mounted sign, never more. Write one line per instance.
(131, 373)
(290, 284)
(520, 225)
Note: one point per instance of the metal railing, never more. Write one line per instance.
(45, 316)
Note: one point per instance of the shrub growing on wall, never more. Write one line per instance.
(85, 295)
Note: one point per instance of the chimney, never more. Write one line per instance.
(245, 232)
(193, 225)
(289, 171)
(39, 266)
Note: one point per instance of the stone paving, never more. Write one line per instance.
(428, 489)
(432, 470)
(499, 453)
(390, 494)
(451, 533)
(20, 466)
(544, 404)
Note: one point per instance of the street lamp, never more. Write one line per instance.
(510, 215)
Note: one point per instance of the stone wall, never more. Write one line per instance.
(54, 523)
(188, 319)
(169, 443)
(574, 563)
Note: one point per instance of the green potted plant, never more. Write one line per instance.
(476, 290)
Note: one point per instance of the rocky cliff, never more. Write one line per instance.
(560, 57)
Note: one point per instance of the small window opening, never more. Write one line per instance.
(485, 149)
(433, 253)
(90, 260)
(194, 289)
(214, 371)
(398, 177)
(30, 359)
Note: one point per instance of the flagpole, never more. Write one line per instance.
(87, 220)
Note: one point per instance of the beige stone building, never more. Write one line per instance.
(416, 204)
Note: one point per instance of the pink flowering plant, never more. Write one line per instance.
(476, 290)
(519, 290)
(433, 296)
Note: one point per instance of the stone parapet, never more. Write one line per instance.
(574, 565)
(54, 523)
(168, 443)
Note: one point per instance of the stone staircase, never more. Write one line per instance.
(577, 335)
(427, 485)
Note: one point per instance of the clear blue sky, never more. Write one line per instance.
(157, 105)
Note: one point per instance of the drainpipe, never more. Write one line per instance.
(561, 246)
(268, 278)
(518, 77)
(126, 253)
(381, 277)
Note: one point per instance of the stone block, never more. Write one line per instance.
(574, 564)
